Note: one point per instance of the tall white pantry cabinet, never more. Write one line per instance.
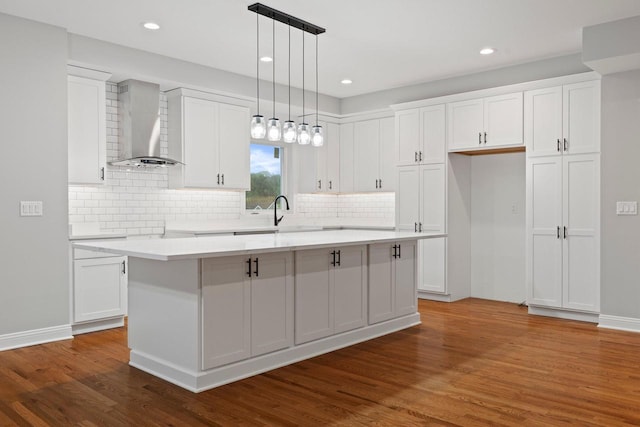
(558, 120)
(562, 134)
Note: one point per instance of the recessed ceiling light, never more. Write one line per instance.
(266, 59)
(487, 51)
(346, 81)
(151, 26)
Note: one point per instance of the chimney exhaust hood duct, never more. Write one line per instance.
(139, 122)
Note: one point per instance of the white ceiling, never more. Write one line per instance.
(379, 44)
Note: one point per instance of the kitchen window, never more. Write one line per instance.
(266, 166)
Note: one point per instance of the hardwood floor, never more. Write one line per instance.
(472, 362)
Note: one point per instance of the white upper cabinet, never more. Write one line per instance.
(420, 135)
(486, 123)
(373, 167)
(211, 138)
(328, 160)
(563, 119)
(346, 157)
(87, 132)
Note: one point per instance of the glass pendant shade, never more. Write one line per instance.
(317, 139)
(289, 134)
(274, 130)
(304, 137)
(258, 127)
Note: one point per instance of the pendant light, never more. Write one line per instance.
(317, 139)
(274, 131)
(289, 133)
(304, 137)
(258, 127)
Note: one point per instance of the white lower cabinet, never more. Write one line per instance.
(331, 291)
(247, 307)
(392, 280)
(99, 288)
(563, 232)
(432, 265)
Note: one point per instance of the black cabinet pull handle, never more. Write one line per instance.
(415, 156)
(222, 179)
(399, 251)
(415, 227)
(319, 184)
(330, 185)
(380, 182)
(395, 250)
(218, 179)
(249, 267)
(102, 174)
(420, 227)
(333, 259)
(557, 232)
(124, 267)
(485, 137)
(564, 143)
(420, 157)
(339, 256)
(558, 144)
(565, 232)
(479, 137)
(256, 262)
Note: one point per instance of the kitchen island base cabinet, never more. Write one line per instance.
(393, 278)
(331, 291)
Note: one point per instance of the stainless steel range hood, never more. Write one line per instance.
(139, 124)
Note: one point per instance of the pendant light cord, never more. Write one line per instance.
(289, 72)
(303, 115)
(274, 65)
(316, 80)
(258, 60)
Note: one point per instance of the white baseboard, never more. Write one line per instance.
(564, 314)
(98, 325)
(433, 296)
(620, 323)
(205, 380)
(35, 336)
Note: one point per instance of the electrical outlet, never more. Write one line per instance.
(31, 208)
(627, 208)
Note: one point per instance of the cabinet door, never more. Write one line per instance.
(233, 143)
(432, 198)
(99, 288)
(544, 231)
(333, 157)
(433, 134)
(407, 198)
(466, 122)
(346, 157)
(405, 279)
(503, 120)
(226, 311)
(200, 143)
(350, 289)
(272, 303)
(381, 288)
(581, 117)
(581, 247)
(313, 295)
(407, 137)
(305, 175)
(87, 140)
(543, 121)
(321, 155)
(433, 265)
(366, 137)
(386, 167)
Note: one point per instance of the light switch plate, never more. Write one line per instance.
(627, 208)
(31, 208)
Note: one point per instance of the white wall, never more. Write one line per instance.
(620, 180)
(498, 227)
(34, 277)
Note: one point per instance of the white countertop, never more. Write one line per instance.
(216, 246)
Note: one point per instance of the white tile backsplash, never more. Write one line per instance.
(139, 201)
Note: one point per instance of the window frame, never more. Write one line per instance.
(284, 174)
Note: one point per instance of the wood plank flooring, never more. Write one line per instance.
(473, 362)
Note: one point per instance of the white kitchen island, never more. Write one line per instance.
(208, 311)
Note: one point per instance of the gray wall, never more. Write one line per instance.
(620, 250)
(34, 278)
(553, 67)
(170, 73)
